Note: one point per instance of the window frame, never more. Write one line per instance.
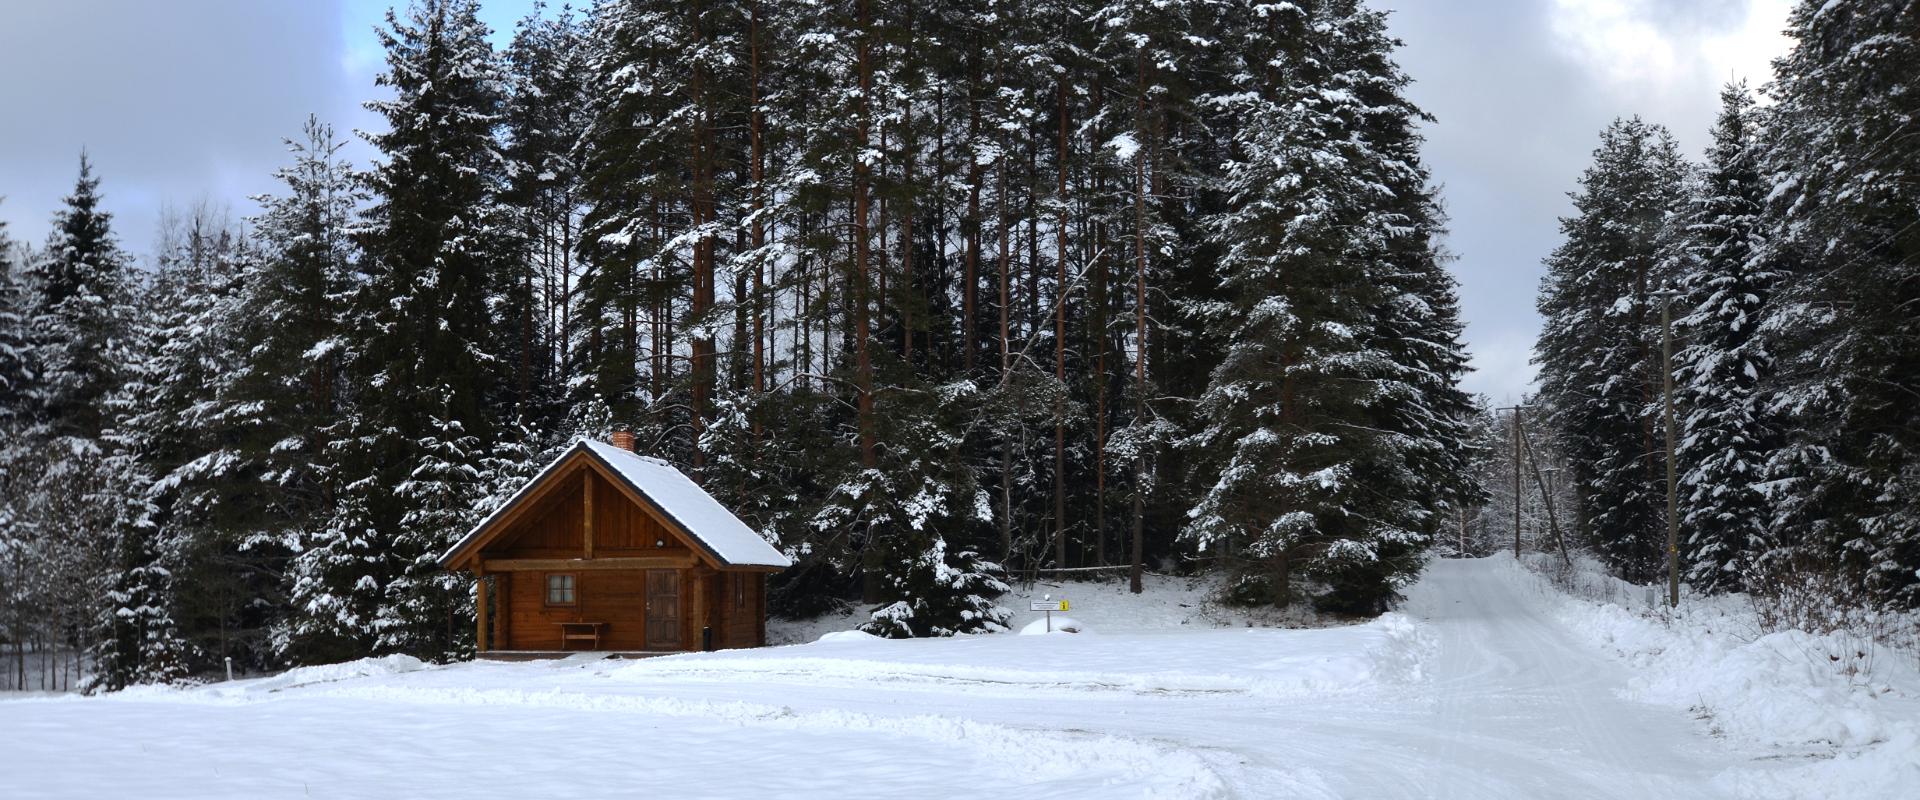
(572, 589)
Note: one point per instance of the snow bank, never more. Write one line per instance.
(1058, 624)
(1790, 692)
(1262, 662)
(329, 673)
(1888, 769)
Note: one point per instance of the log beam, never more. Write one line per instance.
(702, 604)
(503, 590)
(480, 610)
(574, 564)
(586, 519)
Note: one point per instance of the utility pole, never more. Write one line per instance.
(1516, 477)
(1673, 482)
(1553, 520)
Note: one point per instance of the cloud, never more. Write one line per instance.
(1662, 50)
(174, 101)
(1521, 89)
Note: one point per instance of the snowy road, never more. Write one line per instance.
(1521, 709)
(1471, 692)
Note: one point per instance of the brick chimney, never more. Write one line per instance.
(623, 439)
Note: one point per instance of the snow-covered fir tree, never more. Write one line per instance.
(429, 387)
(166, 553)
(916, 506)
(15, 369)
(1845, 325)
(1599, 346)
(80, 312)
(1317, 322)
(1725, 434)
(288, 390)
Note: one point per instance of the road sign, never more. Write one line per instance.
(1048, 605)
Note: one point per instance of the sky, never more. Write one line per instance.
(189, 102)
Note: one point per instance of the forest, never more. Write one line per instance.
(1776, 284)
(942, 299)
(934, 298)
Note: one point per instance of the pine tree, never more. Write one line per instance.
(1599, 351)
(1840, 165)
(1726, 435)
(545, 117)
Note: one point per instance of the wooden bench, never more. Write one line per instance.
(581, 632)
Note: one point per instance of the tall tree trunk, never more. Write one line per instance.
(1060, 343)
(972, 227)
(863, 360)
(1140, 324)
(758, 228)
(909, 295)
(703, 253)
(1006, 360)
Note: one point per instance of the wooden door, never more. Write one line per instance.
(663, 609)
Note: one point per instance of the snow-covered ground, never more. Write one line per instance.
(1487, 685)
(1832, 715)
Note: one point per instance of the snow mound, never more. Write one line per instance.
(1790, 691)
(1885, 770)
(328, 673)
(1039, 627)
(847, 636)
(1781, 688)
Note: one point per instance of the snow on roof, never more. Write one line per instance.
(712, 526)
(679, 497)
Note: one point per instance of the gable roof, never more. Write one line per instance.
(726, 540)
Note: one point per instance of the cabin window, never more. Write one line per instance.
(740, 592)
(560, 590)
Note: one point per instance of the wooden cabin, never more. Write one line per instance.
(609, 550)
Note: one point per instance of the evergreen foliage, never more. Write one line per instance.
(1793, 248)
(930, 296)
(1725, 433)
(16, 372)
(1599, 348)
(1842, 197)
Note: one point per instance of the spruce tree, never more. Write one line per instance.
(430, 386)
(166, 453)
(80, 314)
(287, 394)
(1726, 435)
(1845, 326)
(1599, 347)
(16, 373)
(1309, 255)
(1417, 321)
